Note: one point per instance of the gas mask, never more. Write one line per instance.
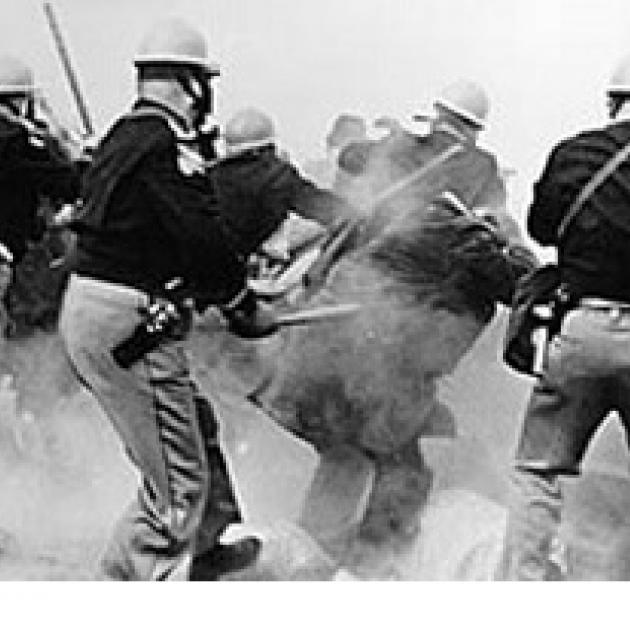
(197, 87)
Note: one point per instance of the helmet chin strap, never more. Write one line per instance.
(29, 109)
(22, 106)
(193, 83)
(200, 93)
(618, 103)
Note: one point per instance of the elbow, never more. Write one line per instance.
(541, 230)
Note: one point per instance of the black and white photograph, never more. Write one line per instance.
(315, 291)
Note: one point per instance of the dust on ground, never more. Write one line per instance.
(64, 480)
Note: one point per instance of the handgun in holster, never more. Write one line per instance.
(168, 315)
(549, 316)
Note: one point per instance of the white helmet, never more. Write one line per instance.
(345, 129)
(249, 128)
(16, 78)
(466, 99)
(619, 84)
(174, 42)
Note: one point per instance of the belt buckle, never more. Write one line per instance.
(615, 312)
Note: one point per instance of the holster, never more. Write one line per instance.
(169, 315)
(523, 347)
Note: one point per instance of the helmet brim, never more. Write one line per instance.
(209, 68)
(462, 113)
(17, 90)
(618, 90)
(242, 147)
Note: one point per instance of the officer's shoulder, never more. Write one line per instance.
(486, 154)
(148, 129)
(580, 139)
(252, 161)
(278, 168)
(10, 130)
(572, 146)
(253, 169)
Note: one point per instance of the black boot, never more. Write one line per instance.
(221, 559)
(221, 510)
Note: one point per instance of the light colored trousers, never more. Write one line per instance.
(152, 407)
(587, 375)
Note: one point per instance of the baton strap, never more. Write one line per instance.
(591, 186)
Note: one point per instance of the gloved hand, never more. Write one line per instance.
(251, 318)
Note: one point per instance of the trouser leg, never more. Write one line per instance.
(336, 500)
(221, 507)
(161, 526)
(137, 550)
(152, 407)
(212, 558)
(566, 408)
(532, 528)
(557, 429)
(400, 491)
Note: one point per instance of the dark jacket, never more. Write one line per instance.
(29, 168)
(257, 189)
(594, 255)
(150, 214)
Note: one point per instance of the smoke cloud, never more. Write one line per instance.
(63, 477)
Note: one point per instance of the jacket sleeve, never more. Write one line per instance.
(550, 201)
(288, 189)
(188, 211)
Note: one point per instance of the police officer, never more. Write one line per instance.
(345, 128)
(33, 162)
(588, 362)
(149, 223)
(259, 188)
(404, 173)
(470, 173)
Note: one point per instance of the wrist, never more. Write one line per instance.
(243, 303)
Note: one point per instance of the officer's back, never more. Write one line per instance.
(258, 187)
(595, 255)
